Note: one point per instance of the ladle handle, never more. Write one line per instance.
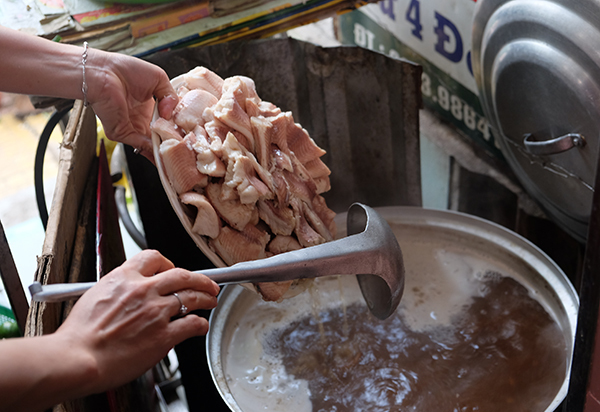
(58, 292)
(321, 260)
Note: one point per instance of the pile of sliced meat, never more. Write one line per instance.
(252, 175)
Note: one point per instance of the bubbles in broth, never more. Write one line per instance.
(466, 337)
(502, 352)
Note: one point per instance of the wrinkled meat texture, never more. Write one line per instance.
(241, 88)
(280, 160)
(326, 214)
(165, 129)
(307, 235)
(275, 291)
(232, 211)
(282, 244)
(206, 223)
(232, 150)
(206, 160)
(280, 219)
(189, 110)
(301, 189)
(323, 184)
(235, 246)
(282, 192)
(217, 132)
(204, 79)
(316, 223)
(281, 122)
(262, 108)
(263, 130)
(316, 168)
(230, 109)
(261, 174)
(180, 165)
(249, 187)
(302, 144)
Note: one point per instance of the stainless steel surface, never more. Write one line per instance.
(371, 252)
(537, 68)
(552, 146)
(58, 292)
(528, 264)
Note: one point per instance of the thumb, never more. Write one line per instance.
(166, 96)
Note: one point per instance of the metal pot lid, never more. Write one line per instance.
(537, 68)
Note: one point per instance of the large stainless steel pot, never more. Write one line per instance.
(444, 251)
(537, 65)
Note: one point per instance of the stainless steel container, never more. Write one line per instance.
(443, 251)
(536, 64)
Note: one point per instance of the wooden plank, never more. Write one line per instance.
(76, 154)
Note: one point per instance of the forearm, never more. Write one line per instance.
(36, 66)
(38, 372)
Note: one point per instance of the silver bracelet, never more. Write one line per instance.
(84, 86)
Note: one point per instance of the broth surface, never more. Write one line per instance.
(502, 352)
(467, 336)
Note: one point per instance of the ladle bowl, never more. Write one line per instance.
(370, 251)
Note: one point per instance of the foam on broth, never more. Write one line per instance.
(462, 313)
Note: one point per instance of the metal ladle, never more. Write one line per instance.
(370, 251)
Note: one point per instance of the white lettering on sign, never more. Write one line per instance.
(440, 31)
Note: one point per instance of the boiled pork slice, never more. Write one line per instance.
(180, 165)
(204, 79)
(239, 246)
(166, 129)
(249, 187)
(306, 234)
(206, 222)
(275, 291)
(189, 110)
(234, 212)
(262, 108)
(303, 146)
(207, 160)
(230, 109)
(280, 220)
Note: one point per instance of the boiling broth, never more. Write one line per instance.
(473, 332)
(502, 352)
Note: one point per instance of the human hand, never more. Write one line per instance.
(124, 322)
(121, 90)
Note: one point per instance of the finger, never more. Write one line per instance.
(180, 279)
(190, 300)
(166, 96)
(149, 262)
(166, 106)
(187, 327)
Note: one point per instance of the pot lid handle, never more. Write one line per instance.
(552, 146)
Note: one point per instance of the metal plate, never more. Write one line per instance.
(537, 68)
(444, 231)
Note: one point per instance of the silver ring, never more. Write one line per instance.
(136, 151)
(183, 309)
